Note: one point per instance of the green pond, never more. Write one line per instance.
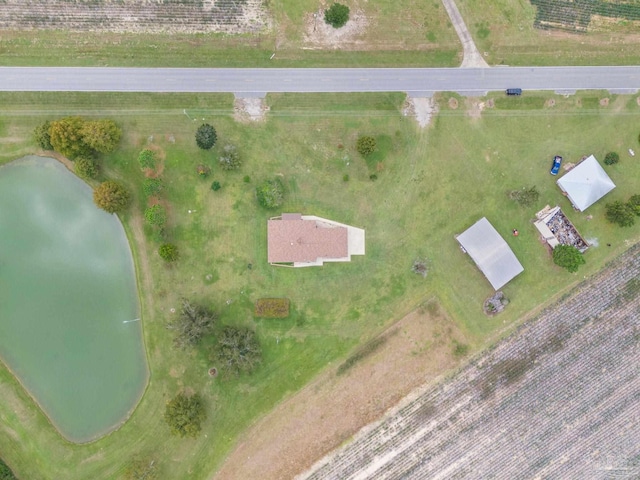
(69, 312)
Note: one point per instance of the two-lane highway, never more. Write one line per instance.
(252, 81)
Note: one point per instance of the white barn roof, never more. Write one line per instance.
(586, 183)
(490, 252)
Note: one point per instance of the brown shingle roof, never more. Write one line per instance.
(292, 239)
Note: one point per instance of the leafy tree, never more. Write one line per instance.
(42, 136)
(151, 187)
(270, 193)
(67, 138)
(111, 197)
(238, 350)
(337, 15)
(156, 215)
(101, 136)
(622, 214)
(568, 256)
(168, 252)
(193, 323)
(141, 469)
(366, 145)
(184, 414)
(86, 167)
(206, 136)
(611, 158)
(525, 197)
(230, 159)
(147, 159)
(5, 472)
(634, 203)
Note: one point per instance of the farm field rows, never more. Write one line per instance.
(429, 185)
(560, 398)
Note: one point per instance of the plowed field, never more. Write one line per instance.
(560, 398)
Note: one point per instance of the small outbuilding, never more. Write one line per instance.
(490, 253)
(586, 183)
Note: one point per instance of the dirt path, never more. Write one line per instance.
(559, 398)
(472, 57)
(332, 408)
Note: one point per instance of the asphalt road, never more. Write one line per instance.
(257, 82)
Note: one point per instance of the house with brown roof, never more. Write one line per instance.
(300, 240)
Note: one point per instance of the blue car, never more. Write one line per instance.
(555, 168)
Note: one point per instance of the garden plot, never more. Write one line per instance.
(560, 398)
(168, 16)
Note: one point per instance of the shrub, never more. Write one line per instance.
(373, 177)
(141, 469)
(203, 171)
(337, 15)
(86, 168)
(42, 136)
(151, 187)
(345, 177)
(634, 203)
(156, 215)
(420, 267)
(611, 158)
(147, 159)
(206, 136)
(272, 308)
(525, 197)
(366, 145)
(270, 193)
(5, 472)
(215, 186)
(230, 158)
(568, 256)
(460, 349)
(184, 414)
(622, 214)
(111, 197)
(246, 179)
(238, 350)
(168, 252)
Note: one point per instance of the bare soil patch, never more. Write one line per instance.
(321, 35)
(331, 409)
(422, 109)
(248, 110)
(453, 103)
(550, 103)
(604, 102)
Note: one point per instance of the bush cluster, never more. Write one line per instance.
(184, 414)
(568, 256)
(611, 158)
(238, 350)
(75, 137)
(270, 193)
(168, 252)
(337, 15)
(525, 197)
(151, 187)
(206, 136)
(147, 159)
(272, 308)
(366, 145)
(230, 158)
(111, 197)
(86, 168)
(156, 215)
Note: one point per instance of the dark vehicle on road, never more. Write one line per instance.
(555, 168)
(514, 91)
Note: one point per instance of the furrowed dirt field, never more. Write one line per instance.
(560, 398)
(168, 16)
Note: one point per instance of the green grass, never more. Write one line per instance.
(504, 29)
(431, 185)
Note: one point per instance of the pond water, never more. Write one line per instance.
(69, 312)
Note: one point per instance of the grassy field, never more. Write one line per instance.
(383, 33)
(431, 185)
(505, 30)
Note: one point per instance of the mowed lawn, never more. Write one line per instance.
(431, 185)
(504, 29)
